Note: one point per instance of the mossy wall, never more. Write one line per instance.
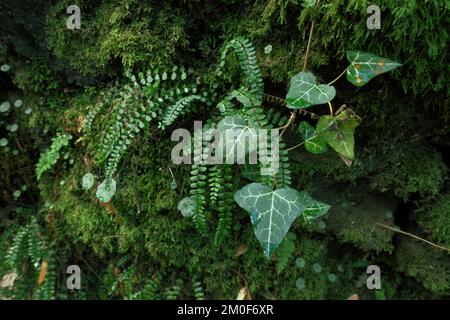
(398, 178)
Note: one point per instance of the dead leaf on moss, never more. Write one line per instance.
(8, 280)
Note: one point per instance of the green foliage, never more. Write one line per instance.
(313, 143)
(365, 66)
(29, 257)
(247, 59)
(338, 131)
(271, 212)
(429, 266)
(151, 37)
(285, 252)
(305, 92)
(50, 156)
(434, 218)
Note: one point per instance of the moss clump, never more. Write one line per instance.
(354, 215)
(418, 170)
(434, 218)
(429, 266)
(132, 33)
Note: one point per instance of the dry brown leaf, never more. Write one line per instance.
(8, 280)
(241, 249)
(42, 272)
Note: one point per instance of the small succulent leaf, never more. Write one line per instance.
(313, 208)
(237, 138)
(365, 66)
(106, 190)
(339, 132)
(313, 143)
(87, 181)
(305, 92)
(271, 211)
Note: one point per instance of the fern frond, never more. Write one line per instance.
(174, 111)
(225, 205)
(247, 58)
(284, 252)
(49, 157)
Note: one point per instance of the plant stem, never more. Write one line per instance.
(305, 63)
(296, 146)
(331, 107)
(414, 236)
(338, 77)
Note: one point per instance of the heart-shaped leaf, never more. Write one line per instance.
(106, 190)
(238, 138)
(305, 92)
(272, 212)
(313, 208)
(365, 66)
(313, 143)
(339, 132)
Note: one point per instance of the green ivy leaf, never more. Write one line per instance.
(272, 212)
(305, 92)
(339, 132)
(239, 140)
(87, 181)
(106, 190)
(365, 66)
(313, 143)
(313, 208)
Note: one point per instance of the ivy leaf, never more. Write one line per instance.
(313, 143)
(365, 66)
(314, 209)
(186, 207)
(305, 92)
(339, 132)
(106, 190)
(237, 138)
(87, 181)
(272, 212)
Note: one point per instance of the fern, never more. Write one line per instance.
(173, 292)
(198, 290)
(285, 252)
(225, 204)
(247, 58)
(198, 187)
(49, 157)
(174, 111)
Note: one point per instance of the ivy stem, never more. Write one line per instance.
(413, 236)
(305, 63)
(338, 77)
(331, 107)
(296, 146)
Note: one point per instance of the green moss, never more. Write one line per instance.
(418, 170)
(434, 218)
(429, 266)
(130, 32)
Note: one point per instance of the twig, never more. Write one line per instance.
(414, 236)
